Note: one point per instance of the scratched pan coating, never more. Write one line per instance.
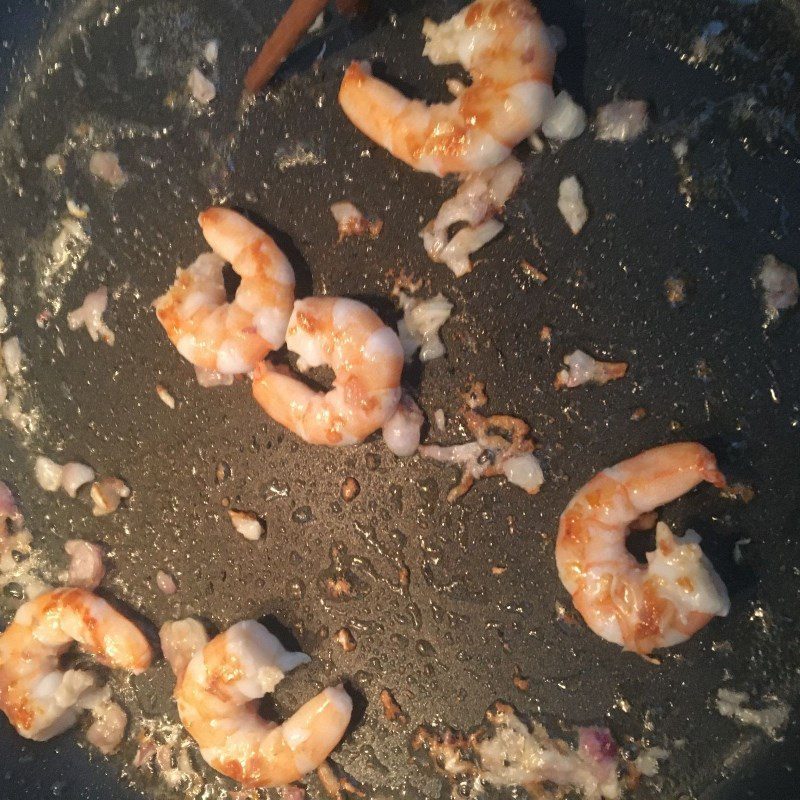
(448, 645)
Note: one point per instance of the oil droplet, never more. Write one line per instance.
(302, 515)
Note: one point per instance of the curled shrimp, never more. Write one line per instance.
(366, 357)
(218, 687)
(39, 699)
(507, 50)
(641, 607)
(221, 336)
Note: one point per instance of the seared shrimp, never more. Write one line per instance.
(39, 699)
(366, 357)
(217, 692)
(507, 50)
(212, 333)
(677, 592)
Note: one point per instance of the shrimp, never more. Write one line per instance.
(39, 699)
(212, 333)
(507, 50)
(366, 357)
(678, 591)
(217, 693)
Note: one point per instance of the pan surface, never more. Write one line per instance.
(448, 645)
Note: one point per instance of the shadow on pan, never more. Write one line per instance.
(449, 645)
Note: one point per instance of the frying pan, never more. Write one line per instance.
(448, 645)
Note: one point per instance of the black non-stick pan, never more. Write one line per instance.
(449, 644)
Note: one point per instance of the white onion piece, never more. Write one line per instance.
(402, 431)
(12, 356)
(47, 473)
(566, 120)
(247, 524)
(180, 640)
(780, 285)
(209, 378)
(90, 316)
(621, 121)
(480, 195)
(74, 475)
(86, 568)
(104, 164)
(165, 582)
(524, 471)
(422, 320)
(201, 88)
(571, 204)
(107, 494)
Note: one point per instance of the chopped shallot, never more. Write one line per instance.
(351, 222)
(246, 523)
(566, 119)
(402, 431)
(12, 356)
(90, 316)
(507, 753)
(508, 452)
(779, 282)
(74, 475)
(47, 473)
(770, 718)
(104, 164)
(480, 196)
(621, 120)
(165, 582)
(85, 565)
(209, 378)
(419, 327)
(200, 87)
(107, 494)
(571, 204)
(584, 369)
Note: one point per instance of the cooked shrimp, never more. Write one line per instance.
(217, 693)
(640, 607)
(506, 48)
(366, 357)
(39, 699)
(229, 337)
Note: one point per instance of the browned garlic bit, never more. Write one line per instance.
(391, 708)
(351, 222)
(585, 369)
(247, 523)
(107, 494)
(345, 639)
(350, 489)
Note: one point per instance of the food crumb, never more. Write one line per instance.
(164, 395)
(475, 396)
(638, 414)
(247, 524)
(533, 272)
(738, 491)
(350, 489)
(404, 577)
(339, 587)
(520, 681)
(571, 204)
(345, 640)
(391, 708)
(546, 334)
(675, 291)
